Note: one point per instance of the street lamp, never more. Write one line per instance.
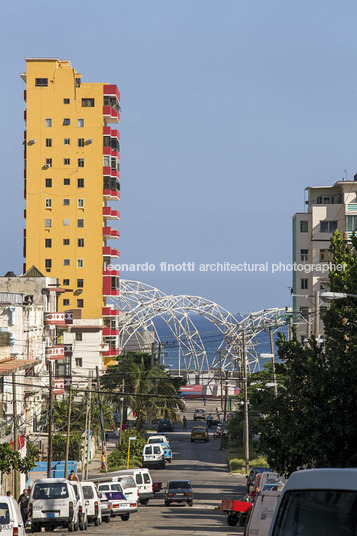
(330, 296)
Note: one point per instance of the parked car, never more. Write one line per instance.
(82, 509)
(165, 425)
(10, 517)
(199, 433)
(143, 481)
(53, 503)
(153, 456)
(178, 491)
(105, 507)
(120, 505)
(157, 438)
(91, 497)
(199, 414)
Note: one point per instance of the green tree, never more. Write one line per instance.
(118, 457)
(10, 460)
(148, 386)
(59, 447)
(312, 422)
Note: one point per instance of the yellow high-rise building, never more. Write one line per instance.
(71, 175)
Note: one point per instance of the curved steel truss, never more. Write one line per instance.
(139, 304)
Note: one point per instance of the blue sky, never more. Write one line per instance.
(229, 110)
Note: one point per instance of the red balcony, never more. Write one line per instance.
(107, 131)
(111, 152)
(111, 89)
(110, 115)
(109, 194)
(109, 311)
(109, 172)
(110, 214)
(112, 352)
(111, 273)
(108, 232)
(58, 319)
(109, 332)
(109, 252)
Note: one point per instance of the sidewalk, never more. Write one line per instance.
(95, 464)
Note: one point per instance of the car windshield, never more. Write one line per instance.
(155, 440)
(127, 482)
(50, 491)
(4, 514)
(198, 430)
(115, 496)
(88, 492)
(179, 484)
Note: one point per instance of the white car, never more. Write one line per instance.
(153, 455)
(120, 505)
(92, 502)
(82, 508)
(10, 517)
(157, 438)
(53, 503)
(105, 507)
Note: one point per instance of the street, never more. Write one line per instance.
(206, 466)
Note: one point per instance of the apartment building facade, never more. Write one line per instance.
(71, 177)
(327, 208)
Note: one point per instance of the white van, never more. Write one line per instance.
(10, 517)
(317, 501)
(53, 503)
(153, 455)
(82, 508)
(92, 502)
(143, 481)
(126, 485)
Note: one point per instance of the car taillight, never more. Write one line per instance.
(170, 494)
(189, 494)
(80, 509)
(96, 505)
(70, 506)
(15, 531)
(108, 506)
(163, 456)
(142, 457)
(133, 505)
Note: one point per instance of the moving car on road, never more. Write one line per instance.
(199, 433)
(153, 456)
(165, 425)
(157, 438)
(178, 491)
(199, 414)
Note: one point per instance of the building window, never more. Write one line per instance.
(66, 122)
(80, 283)
(67, 141)
(328, 226)
(48, 264)
(80, 183)
(48, 222)
(48, 203)
(66, 262)
(48, 183)
(80, 242)
(80, 142)
(304, 226)
(65, 282)
(304, 311)
(66, 202)
(80, 162)
(79, 361)
(66, 241)
(66, 161)
(80, 222)
(79, 337)
(78, 82)
(48, 142)
(48, 122)
(106, 161)
(48, 242)
(66, 182)
(66, 301)
(80, 203)
(41, 82)
(80, 123)
(66, 222)
(304, 283)
(303, 254)
(325, 255)
(80, 263)
(351, 223)
(48, 162)
(88, 103)
(80, 302)
(66, 101)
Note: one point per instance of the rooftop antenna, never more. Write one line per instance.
(345, 174)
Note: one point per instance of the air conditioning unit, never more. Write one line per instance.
(47, 166)
(31, 142)
(88, 142)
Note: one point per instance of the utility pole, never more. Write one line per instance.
(245, 401)
(14, 405)
(50, 420)
(221, 377)
(121, 411)
(225, 398)
(290, 330)
(68, 431)
(101, 414)
(317, 314)
(272, 351)
(87, 431)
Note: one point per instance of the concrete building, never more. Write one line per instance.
(71, 177)
(327, 208)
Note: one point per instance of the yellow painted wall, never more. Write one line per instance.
(47, 102)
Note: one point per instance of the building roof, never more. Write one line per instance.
(33, 272)
(12, 365)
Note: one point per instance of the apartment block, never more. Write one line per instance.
(327, 208)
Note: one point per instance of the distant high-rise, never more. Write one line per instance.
(71, 175)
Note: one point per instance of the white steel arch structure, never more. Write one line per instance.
(139, 304)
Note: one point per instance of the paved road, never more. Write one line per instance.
(206, 466)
